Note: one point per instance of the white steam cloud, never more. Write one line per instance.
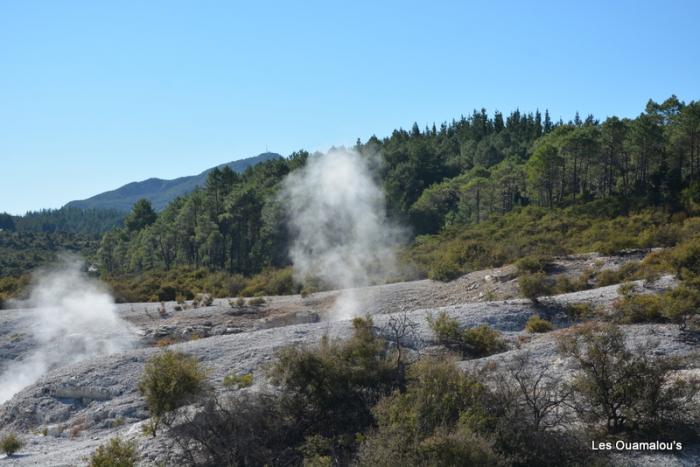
(73, 318)
(341, 234)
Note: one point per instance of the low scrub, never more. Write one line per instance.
(532, 264)
(534, 286)
(538, 325)
(624, 390)
(170, 380)
(115, 453)
(235, 381)
(11, 443)
(474, 342)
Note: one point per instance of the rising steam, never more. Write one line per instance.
(73, 318)
(341, 234)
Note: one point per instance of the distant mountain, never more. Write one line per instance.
(158, 191)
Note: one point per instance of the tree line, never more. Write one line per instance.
(462, 173)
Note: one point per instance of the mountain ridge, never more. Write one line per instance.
(160, 191)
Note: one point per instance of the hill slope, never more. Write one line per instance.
(158, 191)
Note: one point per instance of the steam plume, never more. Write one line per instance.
(341, 234)
(73, 319)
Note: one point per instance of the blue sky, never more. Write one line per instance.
(97, 94)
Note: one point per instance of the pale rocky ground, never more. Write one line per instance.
(65, 415)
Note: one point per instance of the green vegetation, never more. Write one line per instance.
(115, 453)
(532, 264)
(184, 283)
(170, 380)
(538, 325)
(36, 239)
(235, 381)
(479, 192)
(344, 403)
(626, 391)
(431, 422)
(479, 341)
(533, 286)
(11, 443)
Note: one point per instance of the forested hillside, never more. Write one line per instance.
(34, 239)
(158, 191)
(461, 173)
(475, 192)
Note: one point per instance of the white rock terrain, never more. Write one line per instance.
(74, 408)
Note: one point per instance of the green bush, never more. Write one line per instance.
(482, 341)
(685, 258)
(167, 293)
(11, 443)
(202, 299)
(627, 391)
(563, 285)
(475, 342)
(272, 282)
(608, 277)
(615, 245)
(645, 308)
(330, 390)
(238, 381)
(115, 453)
(532, 264)
(664, 235)
(682, 304)
(533, 286)
(538, 325)
(445, 271)
(579, 311)
(170, 380)
(429, 423)
(257, 301)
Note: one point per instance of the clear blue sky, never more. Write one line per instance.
(95, 94)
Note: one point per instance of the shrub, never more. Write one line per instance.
(579, 311)
(625, 390)
(238, 381)
(644, 308)
(115, 453)
(483, 340)
(532, 264)
(685, 258)
(11, 443)
(271, 282)
(664, 235)
(563, 285)
(628, 271)
(330, 390)
(476, 342)
(167, 293)
(202, 299)
(537, 324)
(681, 304)
(616, 244)
(250, 429)
(607, 277)
(445, 271)
(257, 301)
(446, 330)
(638, 308)
(427, 423)
(533, 286)
(170, 380)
